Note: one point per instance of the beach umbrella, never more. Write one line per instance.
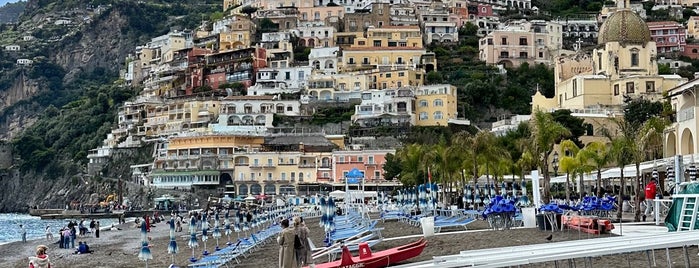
(478, 195)
(145, 254)
(193, 237)
(503, 189)
(217, 231)
(323, 210)
(227, 227)
(172, 247)
(524, 199)
(433, 195)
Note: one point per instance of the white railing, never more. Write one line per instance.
(685, 114)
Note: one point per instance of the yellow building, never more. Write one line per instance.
(336, 86)
(389, 46)
(238, 34)
(623, 65)
(436, 104)
(182, 115)
(395, 78)
(681, 136)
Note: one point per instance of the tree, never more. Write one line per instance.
(248, 10)
(413, 164)
(434, 77)
(597, 154)
(391, 167)
(545, 133)
(576, 125)
(569, 162)
(638, 111)
(621, 153)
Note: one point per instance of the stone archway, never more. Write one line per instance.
(255, 189)
(225, 179)
(243, 190)
(270, 189)
(670, 145)
(687, 142)
(287, 189)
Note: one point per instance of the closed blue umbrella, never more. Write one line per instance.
(217, 231)
(193, 237)
(145, 253)
(227, 227)
(172, 247)
(204, 232)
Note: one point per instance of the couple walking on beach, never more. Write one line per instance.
(294, 247)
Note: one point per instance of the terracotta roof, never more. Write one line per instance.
(661, 23)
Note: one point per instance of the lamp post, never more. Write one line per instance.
(554, 163)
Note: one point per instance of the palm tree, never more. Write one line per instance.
(545, 133)
(622, 153)
(445, 163)
(412, 158)
(569, 162)
(488, 152)
(647, 138)
(463, 143)
(597, 154)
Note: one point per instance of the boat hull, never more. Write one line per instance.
(380, 259)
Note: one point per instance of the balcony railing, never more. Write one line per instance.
(307, 165)
(685, 114)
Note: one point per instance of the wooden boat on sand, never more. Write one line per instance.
(367, 259)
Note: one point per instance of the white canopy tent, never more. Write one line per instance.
(337, 194)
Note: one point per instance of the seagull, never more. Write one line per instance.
(549, 237)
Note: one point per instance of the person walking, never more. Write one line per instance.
(650, 192)
(287, 254)
(66, 238)
(23, 233)
(49, 235)
(92, 226)
(41, 260)
(97, 229)
(303, 251)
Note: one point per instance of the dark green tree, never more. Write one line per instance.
(575, 125)
(638, 111)
(391, 167)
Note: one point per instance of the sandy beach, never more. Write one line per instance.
(120, 248)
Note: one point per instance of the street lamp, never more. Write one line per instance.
(554, 163)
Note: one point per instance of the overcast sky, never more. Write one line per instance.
(3, 2)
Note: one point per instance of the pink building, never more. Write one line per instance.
(669, 36)
(369, 161)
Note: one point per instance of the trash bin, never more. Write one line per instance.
(427, 224)
(544, 224)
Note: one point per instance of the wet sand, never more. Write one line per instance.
(120, 248)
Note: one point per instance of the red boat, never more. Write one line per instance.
(367, 259)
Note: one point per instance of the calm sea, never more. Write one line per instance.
(9, 226)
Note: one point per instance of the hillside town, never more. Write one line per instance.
(222, 103)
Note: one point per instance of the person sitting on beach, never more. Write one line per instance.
(41, 260)
(83, 248)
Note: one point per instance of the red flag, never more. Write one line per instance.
(429, 175)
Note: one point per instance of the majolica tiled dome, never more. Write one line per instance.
(625, 27)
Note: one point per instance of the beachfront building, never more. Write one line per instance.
(369, 162)
(522, 41)
(624, 65)
(680, 136)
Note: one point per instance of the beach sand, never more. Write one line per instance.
(120, 248)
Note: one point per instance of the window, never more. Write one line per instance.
(377, 175)
(377, 43)
(650, 86)
(401, 74)
(490, 41)
(575, 88)
(437, 115)
(438, 102)
(287, 75)
(283, 176)
(402, 44)
(361, 43)
(423, 116)
(522, 41)
(629, 88)
(504, 41)
(293, 176)
(400, 60)
(541, 54)
(422, 103)
(300, 176)
(351, 61)
(634, 58)
(370, 160)
(388, 75)
(360, 159)
(523, 55)
(365, 61)
(616, 90)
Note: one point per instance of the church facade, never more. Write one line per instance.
(623, 65)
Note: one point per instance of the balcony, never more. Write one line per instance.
(241, 164)
(270, 165)
(255, 165)
(325, 165)
(307, 165)
(685, 114)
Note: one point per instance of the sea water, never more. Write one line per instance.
(35, 226)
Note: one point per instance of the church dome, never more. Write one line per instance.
(625, 27)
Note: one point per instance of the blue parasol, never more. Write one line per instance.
(193, 237)
(204, 232)
(172, 247)
(227, 227)
(145, 254)
(217, 232)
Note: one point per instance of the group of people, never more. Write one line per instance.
(294, 248)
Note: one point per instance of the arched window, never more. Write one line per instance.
(423, 103)
(438, 102)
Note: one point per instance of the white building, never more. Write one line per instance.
(389, 106)
(280, 80)
(436, 26)
(25, 62)
(504, 125)
(252, 113)
(324, 60)
(12, 48)
(315, 36)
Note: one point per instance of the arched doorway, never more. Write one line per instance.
(225, 179)
(687, 142)
(670, 145)
(270, 189)
(287, 189)
(255, 189)
(243, 190)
